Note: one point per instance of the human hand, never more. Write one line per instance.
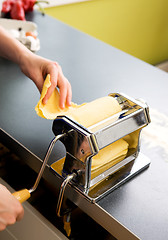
(36, 68)
(11, 209)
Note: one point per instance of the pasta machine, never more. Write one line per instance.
(83, 144)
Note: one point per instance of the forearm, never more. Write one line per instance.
(11, 48)
(35, 67)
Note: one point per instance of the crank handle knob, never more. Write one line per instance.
(22, 195)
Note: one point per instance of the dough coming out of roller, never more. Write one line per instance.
(108, 157)
(87, 115)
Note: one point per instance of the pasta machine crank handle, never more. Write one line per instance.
(25, 194)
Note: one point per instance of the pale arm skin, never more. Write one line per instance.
(11, 209)
(36, 67)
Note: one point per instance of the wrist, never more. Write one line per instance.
(23, 58)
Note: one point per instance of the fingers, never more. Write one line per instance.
(53, 71)
(65, 95)
(19, 211)
(10, 209)
(50, 89)
(69, 95)
(57, 78)
(65, 89)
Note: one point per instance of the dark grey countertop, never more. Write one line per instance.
(94, 69)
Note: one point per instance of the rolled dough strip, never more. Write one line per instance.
(109, 153)
(108, 157)
(95, 111)
(86, 114)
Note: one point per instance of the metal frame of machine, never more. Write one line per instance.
(83, 143)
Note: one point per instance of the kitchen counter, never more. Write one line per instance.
(139, 208)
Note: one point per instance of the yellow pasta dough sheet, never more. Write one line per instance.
(50, 110)
(87, 115)
(108, 157)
